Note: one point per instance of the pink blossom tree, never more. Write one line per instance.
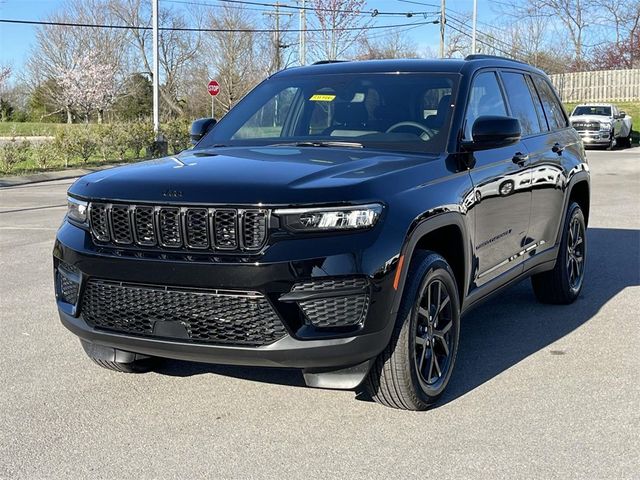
(90, 85)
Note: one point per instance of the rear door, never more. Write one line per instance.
(501, 181)
(562, 150)
(525, 106)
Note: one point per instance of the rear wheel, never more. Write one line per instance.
(562, 285)
(415, 368)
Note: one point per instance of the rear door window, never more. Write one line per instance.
(552, 108)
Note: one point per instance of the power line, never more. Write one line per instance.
(374, 13)
(194, 29)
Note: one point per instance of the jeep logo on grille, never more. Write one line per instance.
(172, 193)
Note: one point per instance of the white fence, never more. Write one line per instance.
(599, 86)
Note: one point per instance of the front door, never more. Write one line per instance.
(502, 184)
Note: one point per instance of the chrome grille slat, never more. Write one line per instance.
(170, 226)
(98, 218)
(225, 228)
(197, 227)
(145, 227)
(120, 224)
(174, 227)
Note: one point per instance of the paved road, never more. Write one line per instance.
(538, 391)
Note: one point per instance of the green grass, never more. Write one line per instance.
(29, 129)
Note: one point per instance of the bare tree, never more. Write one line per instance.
(340, 26)
(237, 58)
(177, 50)
(392, 45)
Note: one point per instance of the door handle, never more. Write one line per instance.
(557, 148)
(520, 159)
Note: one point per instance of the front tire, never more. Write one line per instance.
(415, 368)
(562, 285)
(118, 360)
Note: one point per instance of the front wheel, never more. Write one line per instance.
(562, 285)
(415, 368)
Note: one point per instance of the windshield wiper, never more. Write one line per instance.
(319, 143)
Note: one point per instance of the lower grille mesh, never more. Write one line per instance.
(346, 310)
(200, 316)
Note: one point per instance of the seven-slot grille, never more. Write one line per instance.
(179, 227)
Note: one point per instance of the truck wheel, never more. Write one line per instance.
(415, 368)
(118, 360)
(612, 144)
(562, 285)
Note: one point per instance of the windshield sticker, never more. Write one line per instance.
(322, 98)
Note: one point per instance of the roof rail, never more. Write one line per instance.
(481, 56)
(324, 62)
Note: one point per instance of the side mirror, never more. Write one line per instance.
(492, 131)
(199, 128)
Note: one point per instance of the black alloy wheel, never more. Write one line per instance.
(434, 334)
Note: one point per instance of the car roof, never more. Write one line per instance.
(448, 65)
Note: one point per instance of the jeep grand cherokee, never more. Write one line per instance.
(340, 220)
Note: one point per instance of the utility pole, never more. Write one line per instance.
(303, 33)
(475, 26)
(155, 73)
(277, 41)
(443, 21)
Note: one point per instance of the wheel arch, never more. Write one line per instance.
(445, 234)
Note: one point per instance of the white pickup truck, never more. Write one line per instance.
(602, 124)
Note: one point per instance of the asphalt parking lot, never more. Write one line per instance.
(538, 391)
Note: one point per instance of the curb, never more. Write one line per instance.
(17, 180)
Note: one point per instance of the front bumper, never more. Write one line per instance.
(595, 137)
(315, 350)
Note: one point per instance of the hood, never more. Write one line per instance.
(589, 118)
(253, 175)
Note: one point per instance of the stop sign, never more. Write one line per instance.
(213, 88)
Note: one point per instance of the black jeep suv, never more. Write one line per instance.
(340, 220)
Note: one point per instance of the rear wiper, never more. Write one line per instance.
(319, 143)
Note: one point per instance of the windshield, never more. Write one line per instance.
(587, 110)
(388, 111)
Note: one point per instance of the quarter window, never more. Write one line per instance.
(485, 99)
(552, 108)
(521, 103)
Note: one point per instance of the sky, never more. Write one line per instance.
(17, 40)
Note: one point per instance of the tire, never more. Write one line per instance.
(118, 360)
(562, 285)
(405, 374)
(612, 144)
(137, 366)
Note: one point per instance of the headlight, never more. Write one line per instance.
(76, 210)
(324, 219)
(605, 126)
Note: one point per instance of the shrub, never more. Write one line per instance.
(44, 154)
(139, 136)
(176, 133)
(81, 142)
(12, 152)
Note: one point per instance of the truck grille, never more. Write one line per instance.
(178, 227)
(586, 126)
(205, 316)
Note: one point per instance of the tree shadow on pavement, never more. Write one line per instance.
(504, 330)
